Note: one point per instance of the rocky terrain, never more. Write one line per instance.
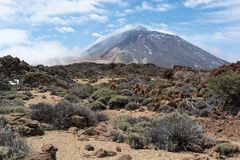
(140, 45)
(118, 111)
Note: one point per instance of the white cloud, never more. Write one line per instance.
(217, 11)
(43, 52)
(195, 3)
(43, 11)
(219, 43)
(160, 7)
(97, 35)
(65, 29)
(12, 37)
(98, 18)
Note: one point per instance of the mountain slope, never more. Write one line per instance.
(142, 46)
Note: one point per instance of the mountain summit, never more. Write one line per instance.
(140, 45)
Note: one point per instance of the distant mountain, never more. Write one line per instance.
(140, 45)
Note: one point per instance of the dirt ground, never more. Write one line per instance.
(69, 148)
(45, 97)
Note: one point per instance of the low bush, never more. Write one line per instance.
(97, 105)
(19, 95)
(103, 95)
(82, 91)
(227, 149)
(59, 115)
(175, 131)
(148, 100)
(135, 141)
(11, 106)
(165, 109)
(132, 106)
(228, 87)
(117, 136)
(117, 102)
(11, 146)
(71, 98)
(56, 90)
(172, 132)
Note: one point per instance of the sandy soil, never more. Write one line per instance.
(38, 98)
(69, 148)
(100, 80)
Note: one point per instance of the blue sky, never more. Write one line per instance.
(39, 30)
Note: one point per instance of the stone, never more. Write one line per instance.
(89, 147)
(48, 153)
(78, 121)
(125, 157)
(73, 130)
(118, 149)
(141, 110)
(49, 148)
(101, 153)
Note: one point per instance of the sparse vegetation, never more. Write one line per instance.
(103, 95)
(132, 106)
(10, 106)
(228, 87)
(71, 98)
(59, 115)
(117, 102)
(82, 91)
(228, 148)
(11, 146)
(173, 132)
(98, 105)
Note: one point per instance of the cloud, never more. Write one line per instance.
(96, 35)
(43, 52)
(195, 3)
(220, 43)
(43, 11)
(159, 7)
(65, 29)
(12, 37)
(215, 11)
(98, 18)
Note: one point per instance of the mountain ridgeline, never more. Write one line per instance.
(142, 46)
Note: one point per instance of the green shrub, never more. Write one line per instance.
(118, 102)
(97, 105)
(172, 132)
(227, 86)
(117, 136)
(19, 101)
(20, 95)
(103, 95)
(59, 115)
(135, 141)
(56, 90)
(82, 91)
(165, 109)
(10, 106)
(121, 122)
(228, 148)
(11, 146)
(146, 101)
(71, 98)
(132, 106)
(175, 131)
